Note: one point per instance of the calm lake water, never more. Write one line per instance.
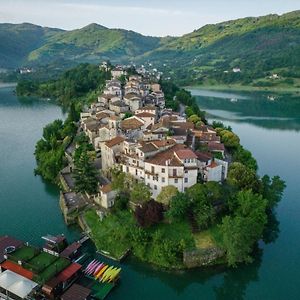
(29, 207)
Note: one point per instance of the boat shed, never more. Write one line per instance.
(76, 292)
(12, 285)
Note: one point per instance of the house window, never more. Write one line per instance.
(163, 170)
(152, 170)
(176, 180)
(136, 172)
(127, 169)
(174, 172)
(163, 179)
(148, 176)
(155, 187)
(186, 171)
(186, 179)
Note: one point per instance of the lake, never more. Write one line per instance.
(29, 207)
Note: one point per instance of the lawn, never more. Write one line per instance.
(25, 253)
(41, 262)
(59, 265)
(209, 238)
(111, 234)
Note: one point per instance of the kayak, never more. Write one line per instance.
(89, 265)
(92, 267)
(106, 274)
(115, 274)
(101, 271)
(98, 269)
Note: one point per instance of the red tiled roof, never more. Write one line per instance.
(131, 123)
(185, 154)
(212, 146)
(145, 115)
(68, 272)
(203, 156)
(8, 265)
(115, 141)
(167, 157)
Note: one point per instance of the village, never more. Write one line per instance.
(130, 129)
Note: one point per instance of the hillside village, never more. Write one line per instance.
(131, 129)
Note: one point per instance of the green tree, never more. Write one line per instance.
(245, 157)
(179, 207)
(244, 228)
(243, 178)
(85, 175)
(140, 193)
(166, 194)
(229, 139)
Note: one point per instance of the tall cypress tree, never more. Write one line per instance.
(85, 175)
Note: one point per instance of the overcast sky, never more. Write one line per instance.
(151, 17)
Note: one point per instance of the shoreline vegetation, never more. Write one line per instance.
(208, 224)
(244, 88)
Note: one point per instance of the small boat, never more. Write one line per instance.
(271, 98)
(101, 271)
(106, 274)
(98, 269)
(233, 100)
(92, 267)
(110, 275)
(114, 276)
(89, 265)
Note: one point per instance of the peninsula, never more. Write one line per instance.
(142, 171)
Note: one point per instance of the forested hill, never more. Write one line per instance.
(259, 47)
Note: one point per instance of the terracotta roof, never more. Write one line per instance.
(68, 272)
(145, 115)
(185, 154)
(101, 115)
(148, 107)
(115, 141)
(8, 265)
(183, 125)
(212, 165)
(148, 147)
(213, 146)
(106, 188)
(70, 250)
(203, 156)
(167, 157)
(76, 292)
(163, 143)
(131, 123)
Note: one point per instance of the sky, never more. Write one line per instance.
(151, 17)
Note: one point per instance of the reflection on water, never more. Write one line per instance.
(254, 108)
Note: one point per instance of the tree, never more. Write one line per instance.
(243, 178)
(245, 157)
(121, 201)
(149, 213)
(194, 118)
(140, 193)
(85, 175)
(166, 194)
(243, 229)
(179, 206)
(229, 139)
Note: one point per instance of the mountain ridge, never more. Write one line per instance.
(267, 43)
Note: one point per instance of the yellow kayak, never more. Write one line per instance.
(115, 274)
(101, 272)
(106, 274)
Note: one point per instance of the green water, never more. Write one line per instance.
(29, 207)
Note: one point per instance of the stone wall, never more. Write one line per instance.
(201, 257)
